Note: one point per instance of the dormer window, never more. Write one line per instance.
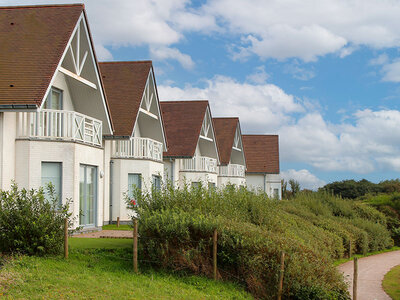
(54, 99)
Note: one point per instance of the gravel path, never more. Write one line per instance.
(371, 271)
(124, 234)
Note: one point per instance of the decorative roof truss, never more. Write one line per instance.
(205, 132)
(148, 98)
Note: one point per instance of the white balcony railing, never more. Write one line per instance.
(60, 125)
(232, 170)
(137, 147)
(199, 164)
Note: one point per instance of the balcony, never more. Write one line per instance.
(232, 170)
(136, 147)
(199, 164)
(65, 125)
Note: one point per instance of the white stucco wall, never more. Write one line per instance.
(272, 181)
(189, 177)
(225, 180)
(30, 155)
(7, 148)
(120, 171)
(61, 84)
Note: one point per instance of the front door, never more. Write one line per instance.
(88, 195)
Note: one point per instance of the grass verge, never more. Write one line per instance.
(343, 260)
(114, 227)
(391, 283)
(99, 273)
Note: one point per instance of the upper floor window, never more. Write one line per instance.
(54, 99)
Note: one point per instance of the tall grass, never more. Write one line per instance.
(313, 229)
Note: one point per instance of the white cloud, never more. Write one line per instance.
(259, 76)
(298, 72)
(382, 59)
(263, 106)
(102, 53)
(310, 28)
(165, 53)
(392, 71)
(306, 179)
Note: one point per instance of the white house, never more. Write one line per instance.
(192, 155)
(135, 151)
(230, 149)
(262, 160)
(53, 111)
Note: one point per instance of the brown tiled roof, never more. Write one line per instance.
(225, 129)
(262, 153)
(124, 84)
(182, 123)
(32, 41)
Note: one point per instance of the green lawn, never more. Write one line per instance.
(114, 227)
(391, 283)
(102, 269)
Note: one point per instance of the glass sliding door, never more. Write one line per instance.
(88, 195)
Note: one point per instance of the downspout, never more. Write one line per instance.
(111, 189)
(265, 184)
(172, 171)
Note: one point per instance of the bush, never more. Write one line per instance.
(313, 229)
(30, 224)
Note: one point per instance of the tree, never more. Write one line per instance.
(294, 186)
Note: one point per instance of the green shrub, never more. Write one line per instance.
(30, 224)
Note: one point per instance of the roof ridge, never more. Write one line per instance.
(126, 62)
(230, 118)
(42, 6)
(184, 101)
(260, 134)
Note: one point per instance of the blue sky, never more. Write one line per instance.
(324, 75)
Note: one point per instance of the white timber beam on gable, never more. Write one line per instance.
(77, 77)
(236, 140)
(148, 113)
(206, 138)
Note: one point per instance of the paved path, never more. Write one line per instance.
(107, 234)
(371, 271)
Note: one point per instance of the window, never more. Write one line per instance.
(195, 185)
(211, 185)
(52, 173)
(134, 182)
(156, 182)
(88, 195)
(276, 193)
(54, 99)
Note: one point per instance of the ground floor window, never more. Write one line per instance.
(88, 195)
(276, 193)
(211, 185)
(52, 173)
(156, 181)
(134, 182)
(195, 185)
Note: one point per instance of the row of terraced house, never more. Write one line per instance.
(97, 129)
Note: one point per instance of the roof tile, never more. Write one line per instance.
(124, 84)
(182, 122)
(262, 153)
(32, 41)
(225, 129)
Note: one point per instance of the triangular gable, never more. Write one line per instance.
(229, 140)
(79, 65)
(149, 111)
(207, 137)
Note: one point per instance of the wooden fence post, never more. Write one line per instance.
(280, 283)
(135, 249)
(117, 222)
(215, 237)
(66, 238)
(355, 278)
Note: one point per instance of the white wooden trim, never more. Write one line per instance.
(237, 149)
(148, 113)
(206, 138)
(77, 77)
